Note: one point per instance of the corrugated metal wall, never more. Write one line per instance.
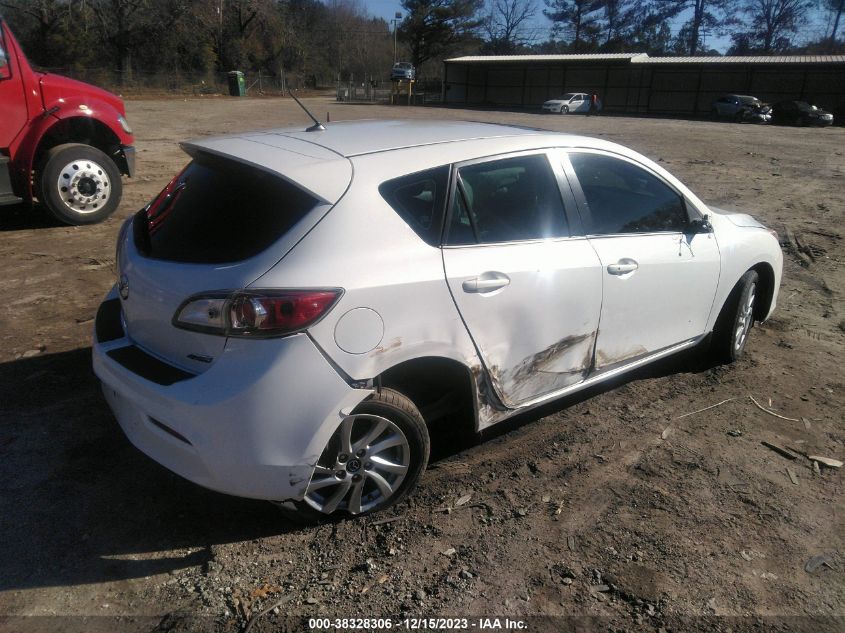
(677, 88)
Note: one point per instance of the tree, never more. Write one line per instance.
(578, 20)
(618, 17)
(436, 27)
(714, 16)
(124, 27)
(505, 26)
(650, 33)
(836, 7)
(771, 23)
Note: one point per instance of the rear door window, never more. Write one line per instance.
(512, 199)
(219, 211)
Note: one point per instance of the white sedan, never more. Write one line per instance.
(569, 103)
(297, 308)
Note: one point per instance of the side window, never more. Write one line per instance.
(4, 61)
(419, 200)
(507, 200)
(624, 198)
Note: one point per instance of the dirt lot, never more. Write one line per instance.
(611, 505)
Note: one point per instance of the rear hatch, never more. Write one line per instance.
(217, 226)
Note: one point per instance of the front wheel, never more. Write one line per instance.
(79, 184)
(736, 319)
(371, 462)
(564, 109)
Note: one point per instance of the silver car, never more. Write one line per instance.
(404, 71)
(297, 308)
(741, 108)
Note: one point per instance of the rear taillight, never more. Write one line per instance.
(258, 313)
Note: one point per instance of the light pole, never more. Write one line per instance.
(395, 20)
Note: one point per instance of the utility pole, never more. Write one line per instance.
(397, 16)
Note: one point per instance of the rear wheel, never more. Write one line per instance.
(371, 462)
(79, 184)
(733, 327)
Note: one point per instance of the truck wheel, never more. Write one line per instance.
(79, 184)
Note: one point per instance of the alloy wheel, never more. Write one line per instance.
(362, 466)
(745, 319)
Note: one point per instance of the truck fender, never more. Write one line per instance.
(28, 145)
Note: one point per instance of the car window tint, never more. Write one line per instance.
(220, 211)
(419, 200)
(507, 200)
(624, 198)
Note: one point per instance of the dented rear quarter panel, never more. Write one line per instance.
(364, 247)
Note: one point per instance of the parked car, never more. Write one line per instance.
(569, 103)
(741, 108)
(293, 338)
(403, 71)
(62, 142)
(800, 113)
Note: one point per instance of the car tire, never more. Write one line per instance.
(564, 110)
(733, 327)
(79, 184)
(328, 495)
(714, 114)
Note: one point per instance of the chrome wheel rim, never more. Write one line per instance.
(362, 466)
(745, 320)
(83, 186)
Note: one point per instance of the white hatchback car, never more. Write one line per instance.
(295, 309)
(570, 103)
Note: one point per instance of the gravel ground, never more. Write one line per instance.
(610, 508)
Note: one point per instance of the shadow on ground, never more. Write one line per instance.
(23, 217)
(79, 504)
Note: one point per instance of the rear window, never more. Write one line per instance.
(219, 211)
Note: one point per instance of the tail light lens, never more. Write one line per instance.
(256, 313)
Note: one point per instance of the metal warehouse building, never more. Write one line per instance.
(635, 82)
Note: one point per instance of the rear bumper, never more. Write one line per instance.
(252, 425)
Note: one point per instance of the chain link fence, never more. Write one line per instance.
(257, 83)
(189, 83)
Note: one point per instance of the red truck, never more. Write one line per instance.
(62, 142)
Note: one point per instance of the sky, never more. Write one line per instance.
(388, 8)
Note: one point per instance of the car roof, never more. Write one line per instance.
(354, 138)
(321, 162)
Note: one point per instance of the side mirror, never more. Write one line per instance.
(701, 225)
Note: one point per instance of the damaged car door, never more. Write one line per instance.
(659, 268)
(523, 277)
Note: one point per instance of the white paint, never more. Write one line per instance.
(359, 331)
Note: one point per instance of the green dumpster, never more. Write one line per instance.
(237, 85)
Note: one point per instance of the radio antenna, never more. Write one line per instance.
(317, 127)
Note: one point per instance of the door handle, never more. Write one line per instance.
(622, 267)
(486, 282)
